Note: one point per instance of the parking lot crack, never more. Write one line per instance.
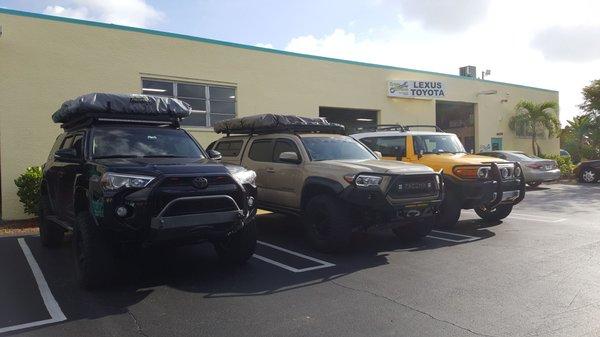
(138, 327)
(409, 307)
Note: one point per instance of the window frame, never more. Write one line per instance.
(207, 113)
(262, 140)
(294, 145)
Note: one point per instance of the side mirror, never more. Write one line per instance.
(65, 154)
(289, 157)
(421, 152)
(214, 155)
(378, 154)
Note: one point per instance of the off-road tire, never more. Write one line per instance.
(534, 183)
(449, 211)
(498, 213)
(51, 234)
(327, 223)
(238, 247)
(583, 176)
(94, 254)
(413, 231)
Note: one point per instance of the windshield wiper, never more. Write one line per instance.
(116, 156)
(163, 156)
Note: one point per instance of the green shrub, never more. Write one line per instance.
(28, 185)
(565, 164)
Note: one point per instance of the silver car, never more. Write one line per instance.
(535, 169)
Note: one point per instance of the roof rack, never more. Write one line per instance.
(437, 128)
(90, 119)
(273, 123)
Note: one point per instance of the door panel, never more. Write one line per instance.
(286, 180)
(259, 158)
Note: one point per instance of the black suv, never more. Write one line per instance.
(123, 172)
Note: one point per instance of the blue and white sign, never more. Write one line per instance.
(416, 89)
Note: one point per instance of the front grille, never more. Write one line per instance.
(403, 187)
(173, 188)
(199, 206)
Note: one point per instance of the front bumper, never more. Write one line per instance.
(489, 193)
(186, 215)
(377, 206)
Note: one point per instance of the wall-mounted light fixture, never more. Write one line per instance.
(487, 92)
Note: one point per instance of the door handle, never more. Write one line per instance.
(270, 170)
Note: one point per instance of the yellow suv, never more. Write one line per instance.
(490, 186)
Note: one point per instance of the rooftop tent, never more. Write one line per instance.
(273, 123)
(130, 106)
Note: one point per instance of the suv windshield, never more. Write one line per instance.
(336, 148)
(143, 142)
(438, 144)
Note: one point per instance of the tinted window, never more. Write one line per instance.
(261, 150)
(67, 142)
(77, 144)
(56, 146)
(284, 145)
(230, 148)
(143, 142)
(438, 144)
(388, 146)
(336, 148)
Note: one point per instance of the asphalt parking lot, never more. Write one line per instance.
(536, 273)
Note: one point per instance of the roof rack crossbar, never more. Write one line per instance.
(90, 118)
(437, 128)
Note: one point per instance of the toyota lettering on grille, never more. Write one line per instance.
(200, 182)
(415, 186)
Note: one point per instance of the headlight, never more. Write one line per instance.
(517, 171)
(504, 172)
(472, 172)
(242, 176)
(114, 181)
(365, 180)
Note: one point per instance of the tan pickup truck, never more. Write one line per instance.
(333, 181)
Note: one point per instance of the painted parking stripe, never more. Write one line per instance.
(452, 237)
(529, 217)
(56, 314)
(320, 263)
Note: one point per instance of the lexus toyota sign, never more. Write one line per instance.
(416, 89)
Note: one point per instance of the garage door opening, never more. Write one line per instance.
(355, 120)
(458, 118)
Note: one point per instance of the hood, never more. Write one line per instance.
(460, 159)
(158, 166)
(377, 166)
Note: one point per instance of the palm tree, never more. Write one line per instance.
(535, 118)
(578, 134)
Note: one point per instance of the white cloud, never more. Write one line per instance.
(264, 45)
(135, 13)
(502, 42)
(576, 43)
(444, 15)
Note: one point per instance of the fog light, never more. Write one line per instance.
(122, 211)
(250, 201)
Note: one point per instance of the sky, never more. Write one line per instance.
(542, 43)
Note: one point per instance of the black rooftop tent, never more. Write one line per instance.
(121, 106)
(276, 123)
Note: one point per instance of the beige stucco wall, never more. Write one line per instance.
(45, 62)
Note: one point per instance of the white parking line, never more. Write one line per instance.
(467, 238)
(56, 314)
(529, 217)
(322, 264)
